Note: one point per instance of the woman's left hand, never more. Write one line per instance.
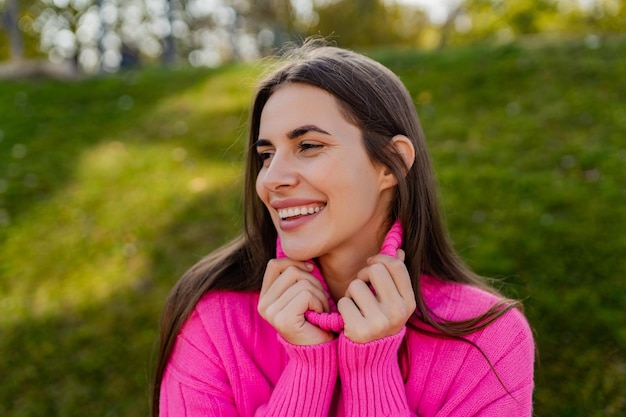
(369, 316)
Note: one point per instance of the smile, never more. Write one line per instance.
(294, 212)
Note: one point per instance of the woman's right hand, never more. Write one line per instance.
(288, 291)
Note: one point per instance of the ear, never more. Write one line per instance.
(404, 147)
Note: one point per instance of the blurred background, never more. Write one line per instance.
(122, 132)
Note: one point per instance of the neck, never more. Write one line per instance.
(338, 277)
(340, 269)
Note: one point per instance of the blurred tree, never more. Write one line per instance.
(606, 16)
(503, 20)
(169, 50)
(10, 19)
(101, 34)
(508, 19)
(355, 22)
(108, 35)
(231, 30)
(15, 39)
(448, 27)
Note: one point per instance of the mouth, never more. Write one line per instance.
(291, 213)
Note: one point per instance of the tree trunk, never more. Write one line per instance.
(11, 19)
(169, 52)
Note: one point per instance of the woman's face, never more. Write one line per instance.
(322, 191)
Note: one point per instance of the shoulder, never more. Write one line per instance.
(219, 311)
(459, 302)
(455, 301)
(492, 361)
(218, 318)
(214, 340)
(215, 301)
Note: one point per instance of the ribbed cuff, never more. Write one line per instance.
(306, 386)
(371, 378)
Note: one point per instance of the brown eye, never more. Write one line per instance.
(307, 146)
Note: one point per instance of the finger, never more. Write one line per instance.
(358, 328)
(304, 286)
(275, 267)
(380, 279)
(291, 277)
(351, 313)
(399, 274)
(362, 297)
(292, 326)
(304, 300)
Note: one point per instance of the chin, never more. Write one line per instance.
(299, 252)
(299, 255)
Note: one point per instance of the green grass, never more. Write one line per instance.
(111, 187)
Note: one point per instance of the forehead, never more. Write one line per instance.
(295, 104)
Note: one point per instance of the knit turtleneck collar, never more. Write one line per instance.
(333, 321)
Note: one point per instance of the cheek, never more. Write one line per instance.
(366, 187)
(261, 191)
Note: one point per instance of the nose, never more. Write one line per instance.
(280, 174)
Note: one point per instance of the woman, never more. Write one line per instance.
(301, 315)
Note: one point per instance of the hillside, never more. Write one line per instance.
(111, 187)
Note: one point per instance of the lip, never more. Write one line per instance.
(294, 223)
(294, 202)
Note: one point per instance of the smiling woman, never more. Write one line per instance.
(316, 160)
(342, 296)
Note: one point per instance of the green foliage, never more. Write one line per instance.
(360, 23)
(111, 187)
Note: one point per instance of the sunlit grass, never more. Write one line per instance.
(95, 236)
(109, 189)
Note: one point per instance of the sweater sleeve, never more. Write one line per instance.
(306, 386)
(371, 379)
(200, 381)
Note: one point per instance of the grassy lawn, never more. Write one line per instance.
(111, 187)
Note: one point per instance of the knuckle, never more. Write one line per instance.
(305, 293)
(281, 322)
(303, 286)
(342, 302)
(291, 269)
(356, 284)
(264, 313)
(397, 312)
(411, 305)
(268, 312)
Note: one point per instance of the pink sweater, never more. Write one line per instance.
(228, 361)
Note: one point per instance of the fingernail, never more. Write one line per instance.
(309, 266)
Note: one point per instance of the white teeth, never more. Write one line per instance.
(298, 211)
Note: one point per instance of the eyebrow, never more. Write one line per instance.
(294, 134)
(303, 130)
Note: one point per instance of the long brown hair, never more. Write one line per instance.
(374, 99)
